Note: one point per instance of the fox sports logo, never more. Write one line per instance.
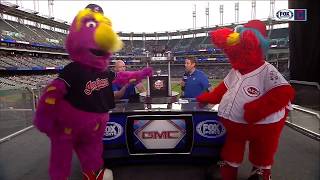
(284, 14)
(112, 131)
(210, 129)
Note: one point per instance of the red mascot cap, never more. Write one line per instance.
(258, 25)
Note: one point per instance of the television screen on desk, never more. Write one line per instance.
(159, 134)
(159, 86)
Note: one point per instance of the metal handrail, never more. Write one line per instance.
(300, 108)
(301, 129)
(304, 131)
(15, 134)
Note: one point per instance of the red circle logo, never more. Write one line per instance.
(251, 91)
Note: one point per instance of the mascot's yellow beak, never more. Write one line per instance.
(233, 39)
(107, 39)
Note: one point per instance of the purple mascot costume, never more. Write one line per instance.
(73, 110)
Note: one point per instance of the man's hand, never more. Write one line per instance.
(182, 83)
(132, 81)
(201, 105)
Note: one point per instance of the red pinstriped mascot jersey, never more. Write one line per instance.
(254, 100)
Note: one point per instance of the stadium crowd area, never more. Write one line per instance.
(30, 47)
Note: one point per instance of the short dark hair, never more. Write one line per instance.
(192, 59)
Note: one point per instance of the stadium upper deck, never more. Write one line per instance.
(33, 42)
(21, 26)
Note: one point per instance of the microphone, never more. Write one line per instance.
(184, 79)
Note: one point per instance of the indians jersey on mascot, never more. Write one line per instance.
(73, 110)
(254, 100)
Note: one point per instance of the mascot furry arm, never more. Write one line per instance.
(248, 40)
(123, 77)
(273, 101)
(45, 116)
(213, 97)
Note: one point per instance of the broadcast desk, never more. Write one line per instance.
(154, 133)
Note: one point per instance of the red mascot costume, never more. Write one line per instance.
(254, 100)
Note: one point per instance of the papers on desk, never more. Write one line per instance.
(159, 106)
(215, 107)
(183, 101)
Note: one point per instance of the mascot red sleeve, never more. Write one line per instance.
(253, 98)
(73, 110)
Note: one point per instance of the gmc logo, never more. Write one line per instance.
(160, 135)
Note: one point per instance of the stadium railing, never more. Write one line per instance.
(17, 106)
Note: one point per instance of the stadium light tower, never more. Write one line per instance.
(236, 12)
(50, 8)
(271, 12)
(221, 14)
(271, 17)
(194, 17)
(19, 3)
(36, 5)
(207, 16)
(253, 9)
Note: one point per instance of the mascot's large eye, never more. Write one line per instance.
(91, 24)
